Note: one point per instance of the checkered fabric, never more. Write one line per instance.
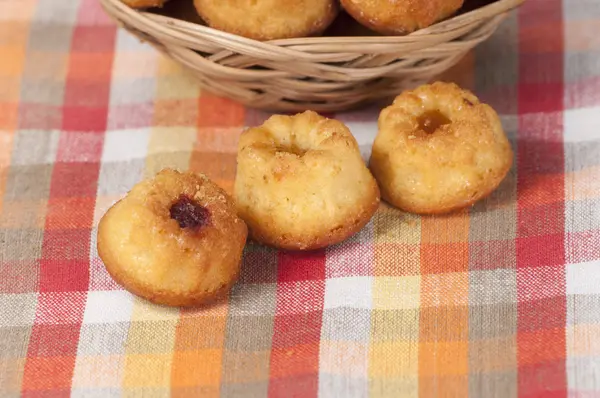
(502, 300)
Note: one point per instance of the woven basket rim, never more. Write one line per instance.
(422, 35)
(325, 73)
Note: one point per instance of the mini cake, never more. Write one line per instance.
(269, 19)
(301, 182)
(174, 240)
(439, 149)
(400, 17)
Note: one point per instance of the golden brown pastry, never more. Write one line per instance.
(144, 3)
(174, 240)
(268, 19)
(400, 17)
(301, 182)
(439, 149)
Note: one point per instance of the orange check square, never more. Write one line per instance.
(296, 360)
(443, 358)
(10, 92)
(444, 258)
(202, 332)
(444, 324)
(49, 373)
(6, 139)
(193, 368)
(13, 59)
(14, 33)
(3, 176)
(445, 229)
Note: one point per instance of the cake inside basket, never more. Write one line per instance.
(343, 26)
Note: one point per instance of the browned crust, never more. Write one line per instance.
(116, 268)
(209, 11)
(400, 18)
(144, 3)
(356, 11)
(328, 238)
(152, 294)
(166, 298)
(431, 211)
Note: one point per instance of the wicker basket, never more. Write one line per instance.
(325, 74)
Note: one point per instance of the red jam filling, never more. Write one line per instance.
(189, 214)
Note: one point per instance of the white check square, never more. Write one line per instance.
(351, 292)
(108, 306)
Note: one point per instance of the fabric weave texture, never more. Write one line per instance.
(501, 300)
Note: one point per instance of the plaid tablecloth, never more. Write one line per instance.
(502, 300)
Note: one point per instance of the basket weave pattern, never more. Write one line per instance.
(320, 73)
